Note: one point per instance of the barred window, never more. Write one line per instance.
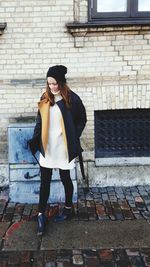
(119, 11)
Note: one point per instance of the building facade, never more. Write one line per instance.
(106, 49)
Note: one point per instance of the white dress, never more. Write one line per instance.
(56, 155)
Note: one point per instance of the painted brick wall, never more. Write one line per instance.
(110, 71)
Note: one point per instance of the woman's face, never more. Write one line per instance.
(53, 85)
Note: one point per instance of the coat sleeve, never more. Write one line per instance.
(80, 116)
(34, 142)
(37, 129)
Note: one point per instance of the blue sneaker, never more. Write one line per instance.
(41, 224)
(66, 214)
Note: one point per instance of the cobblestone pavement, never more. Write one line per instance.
(74, 258)
(109, 203)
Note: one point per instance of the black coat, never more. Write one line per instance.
(74, 122)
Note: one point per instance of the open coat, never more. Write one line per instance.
(73, 123)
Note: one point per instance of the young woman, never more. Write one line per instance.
(60, 121)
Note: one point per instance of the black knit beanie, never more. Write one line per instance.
(58, 73)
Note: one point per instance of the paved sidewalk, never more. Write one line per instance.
(111, 228)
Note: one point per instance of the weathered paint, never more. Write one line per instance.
(18, 150)
(28, 192)
(24, 173)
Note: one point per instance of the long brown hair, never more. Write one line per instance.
(64, 92)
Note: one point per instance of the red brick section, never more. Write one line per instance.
(82, 258)
(50, 256)
(106, 255)
(92, 262)
(146, 256)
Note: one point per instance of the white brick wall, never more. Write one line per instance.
(110, 71)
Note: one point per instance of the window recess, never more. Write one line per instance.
(114, 12)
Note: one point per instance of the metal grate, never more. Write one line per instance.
(124, 133)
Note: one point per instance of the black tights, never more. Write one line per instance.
(46, 175)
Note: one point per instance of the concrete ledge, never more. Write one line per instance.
(122, 161)
(118, 175)
(123, 175)
(4, 175)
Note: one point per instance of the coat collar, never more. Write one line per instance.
(44, 108)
